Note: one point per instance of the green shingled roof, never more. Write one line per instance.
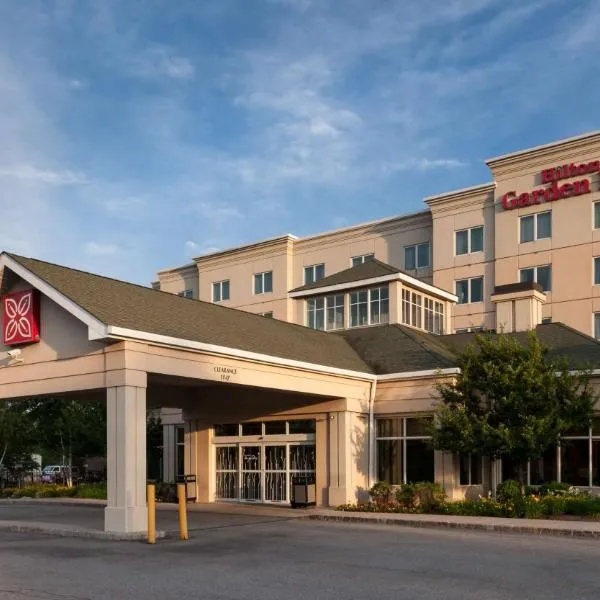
(131, 306)
(367, 270)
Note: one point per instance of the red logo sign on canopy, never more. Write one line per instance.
(21, 318)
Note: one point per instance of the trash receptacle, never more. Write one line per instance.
(190, 486)
(303, 491)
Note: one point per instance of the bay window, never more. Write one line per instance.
(369, 307)
(325, 312)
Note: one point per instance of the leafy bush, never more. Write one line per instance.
(486, 507)
(38, 491)
(381, 493)
(555, 488)
(585, 506)
(91, 490)
(423, 496)
(508, 491)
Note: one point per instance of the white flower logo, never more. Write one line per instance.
(18, 324)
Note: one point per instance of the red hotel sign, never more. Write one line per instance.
(21, 318)
(512, 200)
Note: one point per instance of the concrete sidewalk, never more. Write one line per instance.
(72, 517)
(85, 518)
(563, 528)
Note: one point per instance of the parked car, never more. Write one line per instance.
(58, 474)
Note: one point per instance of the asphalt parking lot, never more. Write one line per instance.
(274, 558)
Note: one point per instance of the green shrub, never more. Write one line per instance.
(555, 488)
(486, 507)
(423, 496)
(585, 506)
(381, 493)
(166, 492)
(91, 490)
(508, 491)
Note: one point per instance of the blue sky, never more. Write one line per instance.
(136, 134)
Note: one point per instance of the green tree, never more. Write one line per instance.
(17, 442)
(510, 400)
(67, 428)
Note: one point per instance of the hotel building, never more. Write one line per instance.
(331, 376)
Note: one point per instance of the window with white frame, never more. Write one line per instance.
(596, 215)
(469, 290)
(541, 275)
(314, 273)
(417, 256)
(325, 312)
(576, 460)
(468, 241)
(597, 326)
(369, 306)
(263, 282)
(470, 469)
(186, 294)
(220, 290)
(363, 258)
(535, 227)
(411, 308)
(433, 312)
(404, 450)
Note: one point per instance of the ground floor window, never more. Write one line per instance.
(404, 451)
(471, 469)
(575, 461)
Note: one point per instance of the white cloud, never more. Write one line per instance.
(162, 61)
(126, 206)
(99, 249)
(424, 164)
(192, 249)
(28, 172)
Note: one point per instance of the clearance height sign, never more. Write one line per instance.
(554, 190)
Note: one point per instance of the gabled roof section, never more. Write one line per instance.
(578, 348)
(396, 349)
(118, 304)
(370, 269)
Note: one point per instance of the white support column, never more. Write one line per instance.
(126, 510)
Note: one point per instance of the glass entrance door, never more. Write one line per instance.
(251, 484)
(275, 474)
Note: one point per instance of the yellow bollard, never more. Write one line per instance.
(183, 527)
(151, 513)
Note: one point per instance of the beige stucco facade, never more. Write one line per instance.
(573, 299)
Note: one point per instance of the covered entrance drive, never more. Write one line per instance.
(299, 398)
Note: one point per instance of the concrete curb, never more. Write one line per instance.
(431, 524)
(73, 532)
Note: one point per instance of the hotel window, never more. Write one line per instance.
(417, 256)
(186, 294)
(541, 275)
(268, 315)
(369, 307)
(411, 308)
(404, 451)
(469, 240)
(363, 258)
(220, 290)
(596, 215)
(314, 273)
(469, 290)
(536, 227)
(597, 270)
(263, 282)
(433, 316)
(470, 469)
(597, 326)
(580, 456)
(325, 312)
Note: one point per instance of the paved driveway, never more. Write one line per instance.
(294, 559)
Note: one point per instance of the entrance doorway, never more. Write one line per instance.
(252, 470)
